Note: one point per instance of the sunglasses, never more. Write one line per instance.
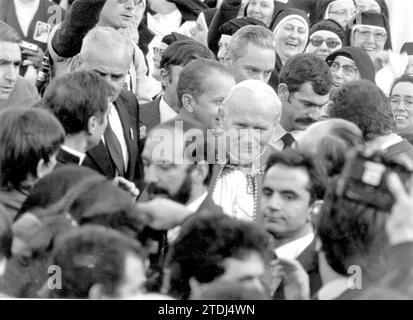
(331, 43)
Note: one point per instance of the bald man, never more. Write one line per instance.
(108, 53)
(248, 117)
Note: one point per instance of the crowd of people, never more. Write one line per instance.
(206, 149)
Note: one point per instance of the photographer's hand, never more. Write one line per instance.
(400, 224)
(35, 57)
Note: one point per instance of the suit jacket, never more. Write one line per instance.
(63, 157)
(98, 158)
(309, 260)
(403, 147)
(150, 115)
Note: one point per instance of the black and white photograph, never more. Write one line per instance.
(179, 151)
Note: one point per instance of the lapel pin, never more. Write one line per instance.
(131, 134)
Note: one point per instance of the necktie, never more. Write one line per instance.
(288, 140)
(115, 149)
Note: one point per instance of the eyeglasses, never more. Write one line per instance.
(379, 36)
(331, 43)
(395, 102)
(347, 69)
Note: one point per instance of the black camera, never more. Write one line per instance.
(364, 179)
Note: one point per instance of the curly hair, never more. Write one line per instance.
(366, 105)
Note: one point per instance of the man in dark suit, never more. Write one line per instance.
(292, 187)
(174, 172)
(175, 57)
(79, 100)
(107, 52)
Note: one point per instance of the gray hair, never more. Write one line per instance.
(111, 38)
(257, 35)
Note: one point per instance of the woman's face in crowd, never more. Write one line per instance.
(291, 38)
(370, 38)
(323, 43)
(343, 70)
(401, 101)
(341, 12)
(261, 10)
(367, 5)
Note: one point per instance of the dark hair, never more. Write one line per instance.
(75, 97)
(403, 78)
(366, 105)
(180, 53)
(204, 243)
(352, 234)
(297, 159)
(26, 137)
(333, 148)
(192, 77)
(306, 67)
(98, 201)
(8, 34)
(5, 234)
(54, 186)
(198, 149)
(92, 255)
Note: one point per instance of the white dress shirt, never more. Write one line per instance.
(25, 13)
(165, 111)
(278, 133)
(76, 153)
(116, 125)
(192, 208)
(293, 249)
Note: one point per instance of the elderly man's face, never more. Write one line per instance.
(118, 13)
(255, 63)
(10, 58)
(249, 123)
(112, 65)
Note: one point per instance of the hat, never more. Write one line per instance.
(209, 15)
(190, 9)
(408, 48)
(370, 18)
(232, 26)
(288, 14)
(328, 25)
(362, 60)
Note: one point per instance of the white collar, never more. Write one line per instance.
(194, 205)
(166, 112)
(74, 152)
(383, 143)
(293, 249)
(333, 289)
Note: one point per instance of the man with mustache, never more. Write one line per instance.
(304, 89)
